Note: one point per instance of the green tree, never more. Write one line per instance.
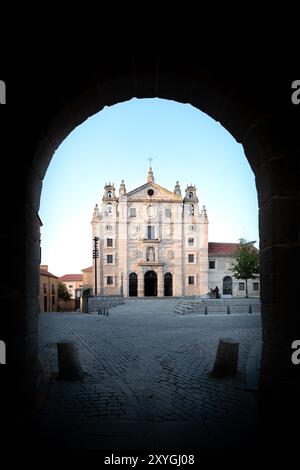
(63, 292)
(246, 265)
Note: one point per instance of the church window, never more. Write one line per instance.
(150, 192)
(212, 264)
(109, 242)
(109, 193)
(190, 195)
(150, 232)
(191, 258)
(110, 258)
(109, 280)
(168, 212)
(132, 212)
(109, 209)
(192, 228)
(191, 280)
(191, 242)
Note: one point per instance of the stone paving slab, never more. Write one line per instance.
(146, 378)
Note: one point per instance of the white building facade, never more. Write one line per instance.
(152, 242)
(220, 259)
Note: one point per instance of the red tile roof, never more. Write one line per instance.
(223, 249)
(46, 273)
(71, 277)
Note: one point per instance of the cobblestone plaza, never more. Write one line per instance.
(146, 381)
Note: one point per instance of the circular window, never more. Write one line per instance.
(108, 228)
(192, 228)
(150, 192)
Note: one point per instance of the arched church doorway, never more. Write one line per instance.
(227, 285)
(150, 284)
(133, 285)
(168, 285)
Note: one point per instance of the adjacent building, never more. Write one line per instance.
(48, 298)
(87, 281)
(73, 282)
(220, 259)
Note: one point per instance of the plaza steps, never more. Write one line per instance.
(218, 306)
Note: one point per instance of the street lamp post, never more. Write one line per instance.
(121, 284)
(95, 257)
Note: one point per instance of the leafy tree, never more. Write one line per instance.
(246, 265)
(63, 292)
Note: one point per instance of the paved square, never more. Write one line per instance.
(146, 380)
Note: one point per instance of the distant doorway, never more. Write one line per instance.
(168, 285)
(227, 285)
(150, 284)
(133, 285)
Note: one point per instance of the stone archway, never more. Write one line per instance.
(133, 285)
(168, 285)
(245, 105)
(227, 285)
(150, 284)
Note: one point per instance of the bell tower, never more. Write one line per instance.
(190, 201)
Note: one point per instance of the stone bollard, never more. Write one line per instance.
(226, 358)
(68, 361)
(250, 309)
(228, 310)
(205, 311)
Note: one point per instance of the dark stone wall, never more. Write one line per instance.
(51, 95)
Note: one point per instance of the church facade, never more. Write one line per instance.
(151, 242)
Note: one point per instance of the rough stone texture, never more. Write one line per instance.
(68, 361)
(226, 358)
(145, 371)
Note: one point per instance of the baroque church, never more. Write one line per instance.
(154, 242)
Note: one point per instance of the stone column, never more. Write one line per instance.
(160, 282)
(140, 282)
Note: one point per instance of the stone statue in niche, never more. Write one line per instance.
(150, 254)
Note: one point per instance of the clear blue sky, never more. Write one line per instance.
(115, 144)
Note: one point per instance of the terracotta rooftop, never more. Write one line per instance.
(215, 249)
(71, 277)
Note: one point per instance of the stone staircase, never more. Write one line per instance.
(218, 306)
